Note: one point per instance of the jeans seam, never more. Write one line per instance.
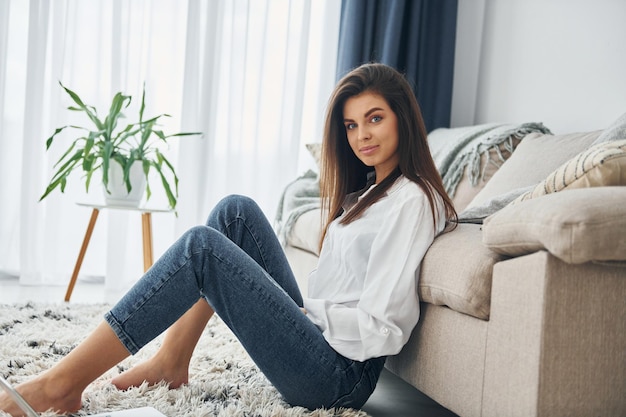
(117, 328)
(250, 231)
(167, 278)
(158, 287)
(287, 317)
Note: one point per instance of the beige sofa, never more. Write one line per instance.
(523, 314)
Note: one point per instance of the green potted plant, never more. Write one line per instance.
(105, 147)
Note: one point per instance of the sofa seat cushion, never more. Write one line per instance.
(457, 271)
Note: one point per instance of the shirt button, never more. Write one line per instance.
(384, 331)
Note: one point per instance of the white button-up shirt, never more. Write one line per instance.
(363, 294)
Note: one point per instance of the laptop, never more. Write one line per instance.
(28, 410)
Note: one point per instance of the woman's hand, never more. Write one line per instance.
(303, 310)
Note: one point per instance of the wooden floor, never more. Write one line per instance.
(395, 398)
(392, 398)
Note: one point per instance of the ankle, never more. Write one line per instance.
(60, 387)
(48, 392)
(167, 360)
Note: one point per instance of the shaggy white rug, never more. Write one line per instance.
(223, 379)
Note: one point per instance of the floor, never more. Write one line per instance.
(392, 398)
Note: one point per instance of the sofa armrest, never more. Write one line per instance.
(556, 339)
(305, 233)
(576, 226)
(302, 262)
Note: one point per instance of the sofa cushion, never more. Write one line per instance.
(601, 165)
(467, 157)
(490, 162)
(533, 160)
(576, 226)
(457, 270)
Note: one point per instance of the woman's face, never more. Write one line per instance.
(372, 130)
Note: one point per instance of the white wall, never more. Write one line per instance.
(560, 62)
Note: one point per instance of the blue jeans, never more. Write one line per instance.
(237, 264)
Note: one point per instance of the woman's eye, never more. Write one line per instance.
(350, 126)
(376, 119)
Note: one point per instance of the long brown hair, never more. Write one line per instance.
(343, 173)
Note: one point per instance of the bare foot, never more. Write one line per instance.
(42, 394)
(153, 371)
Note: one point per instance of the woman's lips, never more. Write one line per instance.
(368, 150)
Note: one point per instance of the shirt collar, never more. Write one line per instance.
(352, 198)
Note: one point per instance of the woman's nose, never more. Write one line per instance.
(363, 133)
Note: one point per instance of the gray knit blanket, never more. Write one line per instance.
(456, 149)
(300, 196)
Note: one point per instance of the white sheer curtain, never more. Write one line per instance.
(254, 76)
(256, 82)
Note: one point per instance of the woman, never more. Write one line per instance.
(385, 204)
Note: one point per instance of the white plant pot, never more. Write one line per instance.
(118, 195)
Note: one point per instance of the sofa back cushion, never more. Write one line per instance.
(467, 157)
(603, 164)
(490, 162)
(457, 270)
(533, 160)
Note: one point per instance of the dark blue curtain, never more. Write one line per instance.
(417, 37)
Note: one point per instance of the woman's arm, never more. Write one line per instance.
(381, 322)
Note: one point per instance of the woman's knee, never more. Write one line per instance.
(197, 236)
(238, 201)
(230, 207)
